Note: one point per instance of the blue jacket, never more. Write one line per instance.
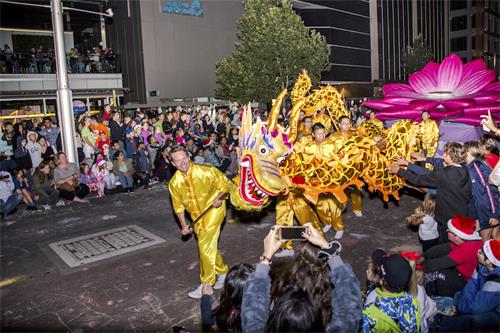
(481, 293)
(485, 196)
(346, 299)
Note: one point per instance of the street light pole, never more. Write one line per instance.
(64, 96)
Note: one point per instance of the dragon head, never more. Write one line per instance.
(263, 147)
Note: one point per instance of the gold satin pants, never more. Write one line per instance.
(207, 232)
(291, 205)
(329, 210)
(355, 195)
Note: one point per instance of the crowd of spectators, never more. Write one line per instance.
(453, 284)
(118, 152)
(40, 60)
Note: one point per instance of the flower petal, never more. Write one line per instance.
(423, 104)
(450, 73)
(475, 83)
(400, 113)
(458, 103)
(398, 100)
(467, 120)
(422, 82)
(482, 109)
(493, 87)
(377, 104)
(432, 69)
(486, 96)
(395, 88)
(473, 67)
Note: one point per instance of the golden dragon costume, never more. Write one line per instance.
(270, 167)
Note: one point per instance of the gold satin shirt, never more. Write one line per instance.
(197, 189)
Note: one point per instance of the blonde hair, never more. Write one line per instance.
(474, 148)
(429, 204)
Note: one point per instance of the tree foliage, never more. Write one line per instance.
(273, 46)
(415, 57)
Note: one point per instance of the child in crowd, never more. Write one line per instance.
(23, 186)
(102, 172)
(87, 177)
(143, 165)
(485, 204)
(153, 147)
(34, 149)
(22, 156)
(449, 266)
(179, 136)
(393, 309)
(480, 299)
(427, 306)
(103, 143)
(109, 177)
(490, 150)
(199, 157)
(427, 226)
(159, 136)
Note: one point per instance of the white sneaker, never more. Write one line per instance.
(358, 213)
(196, 294)
(60, 203)
(339, 234)
(327, 228)
(285, 253)
(220, 281)
(46, 207)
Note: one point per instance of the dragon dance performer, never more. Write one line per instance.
(192, 188)
(428, 131)
(338, 139)
(379, 124)
(328, 208)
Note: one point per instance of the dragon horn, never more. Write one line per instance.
(275, 111)
(294, 120)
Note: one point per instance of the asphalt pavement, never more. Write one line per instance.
(146, 290)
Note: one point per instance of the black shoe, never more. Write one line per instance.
(131, 189)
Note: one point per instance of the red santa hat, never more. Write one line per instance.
(491, 249)
(464, 227)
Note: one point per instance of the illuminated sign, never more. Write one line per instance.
(191, 8)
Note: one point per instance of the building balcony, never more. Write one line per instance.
(22, 83)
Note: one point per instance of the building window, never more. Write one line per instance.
(458, 44)
(473, 42)
(458, 23)
(473, 21)
(458, 4)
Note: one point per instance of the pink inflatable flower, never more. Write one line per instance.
(451, 91)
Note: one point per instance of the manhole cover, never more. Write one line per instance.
(102, 245)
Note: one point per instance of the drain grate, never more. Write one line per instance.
(102, 245)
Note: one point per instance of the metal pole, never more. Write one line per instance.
(44, 106)
(64, 99)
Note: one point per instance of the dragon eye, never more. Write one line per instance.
(263, 150)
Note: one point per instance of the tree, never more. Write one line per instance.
(416, 57)
(273, 46)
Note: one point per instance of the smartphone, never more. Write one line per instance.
(291, 233)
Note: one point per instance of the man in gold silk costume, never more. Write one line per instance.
(338, 139)
(328, 208)
(428, 130)
(377, 122)
(305, 127)
(192, 188)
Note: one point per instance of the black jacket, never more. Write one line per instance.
(453, 190)
(116, 131)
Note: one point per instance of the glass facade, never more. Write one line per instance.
(346, 27)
